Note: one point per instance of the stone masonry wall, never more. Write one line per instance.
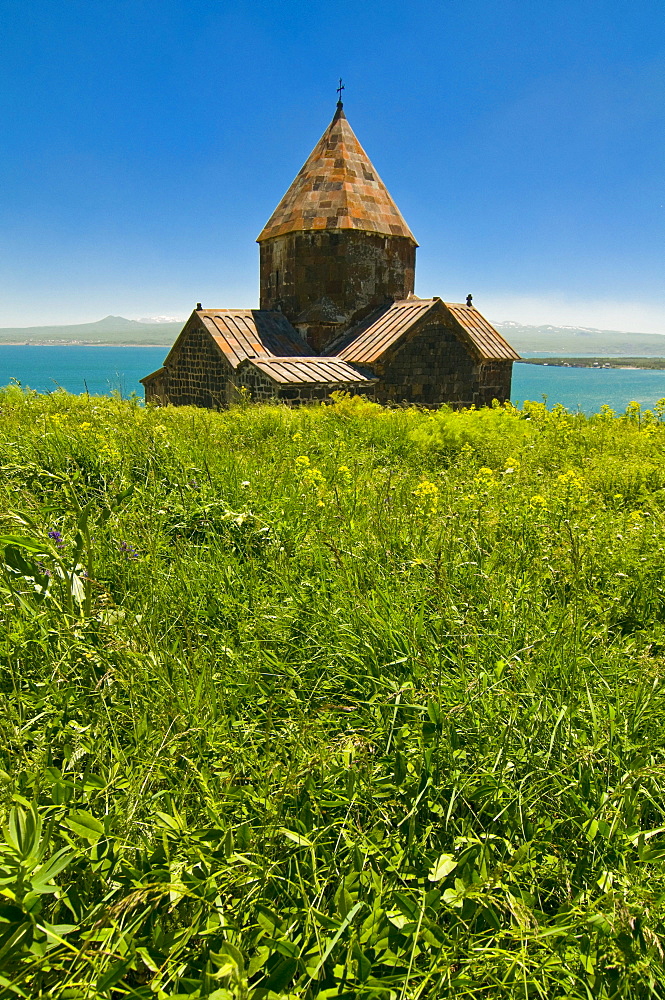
(337, 276)
(494, 383)
(434, 366)
(154, 390)
(430, 368)
(197, 374)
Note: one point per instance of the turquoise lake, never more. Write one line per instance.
(102, 370)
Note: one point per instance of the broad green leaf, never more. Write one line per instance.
(444, 865)
(84, 824)
(397, 919)
(600, 922)
(42, 880)
(653, 854)
(605, 881)
(24, 542)
(330, 923)
(173, 822)
(12, 987)
(454, 897)
(113, 975)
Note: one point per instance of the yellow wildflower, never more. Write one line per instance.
(314, 478)
(570, 480)
(426, 497)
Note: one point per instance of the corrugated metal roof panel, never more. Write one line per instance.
(372, 338)
(376, 334)
(489, 343)
(152, 375)
(310, 370)
(252, 333)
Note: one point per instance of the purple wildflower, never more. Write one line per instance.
(56, 537)
(128, 551)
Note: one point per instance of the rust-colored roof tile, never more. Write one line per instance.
(337, 166)
(300, 371)
(489, 343)
(251, 333)
(372, 338)
(152, 375)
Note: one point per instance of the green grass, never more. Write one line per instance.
(331, 702)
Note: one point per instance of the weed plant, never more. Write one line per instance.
(331, 702)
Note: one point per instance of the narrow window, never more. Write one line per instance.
(277, 280)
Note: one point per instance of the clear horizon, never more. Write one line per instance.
(158, 320)
(528, 163)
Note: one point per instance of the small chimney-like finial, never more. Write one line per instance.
(199, 306)
(339, 94)
(469, 301)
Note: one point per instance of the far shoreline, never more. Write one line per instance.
(77, 343)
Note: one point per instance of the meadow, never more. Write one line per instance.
(331, 702)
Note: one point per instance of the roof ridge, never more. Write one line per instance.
(273, 312)
(415, 300)
(293, 357)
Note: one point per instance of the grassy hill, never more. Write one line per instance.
(580, 341)
(336, 702)
(110, 330)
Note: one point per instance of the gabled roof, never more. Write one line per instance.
(310, 370)
(152, 375)
(488, 342)
(250, 333)
(337, 188)
(372, 338)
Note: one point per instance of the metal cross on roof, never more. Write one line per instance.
(339, 92)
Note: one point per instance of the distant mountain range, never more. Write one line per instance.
(112, 330)
(566, 341)
(571, 341)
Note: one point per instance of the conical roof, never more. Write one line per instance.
(337, 188)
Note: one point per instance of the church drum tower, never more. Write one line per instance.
(336, 247)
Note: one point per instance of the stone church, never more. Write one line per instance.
(337, 308)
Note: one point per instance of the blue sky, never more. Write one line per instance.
(146, 142)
